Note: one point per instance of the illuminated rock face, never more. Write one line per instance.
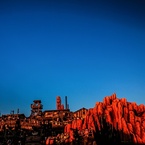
(113, 114)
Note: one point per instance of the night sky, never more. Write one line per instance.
(85, 50)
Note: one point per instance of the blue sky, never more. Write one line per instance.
(85, 50)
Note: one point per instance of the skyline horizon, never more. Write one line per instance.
(63, 103)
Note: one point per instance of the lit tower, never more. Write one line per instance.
(36, 108)
(58, 103)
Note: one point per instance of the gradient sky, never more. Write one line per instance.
(85, 50)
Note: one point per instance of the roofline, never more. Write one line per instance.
(56, 110)
(80, 109)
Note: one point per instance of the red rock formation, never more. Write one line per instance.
(121, 115)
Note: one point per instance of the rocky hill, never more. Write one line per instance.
(114, 120)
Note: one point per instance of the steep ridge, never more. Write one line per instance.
(113, 120)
